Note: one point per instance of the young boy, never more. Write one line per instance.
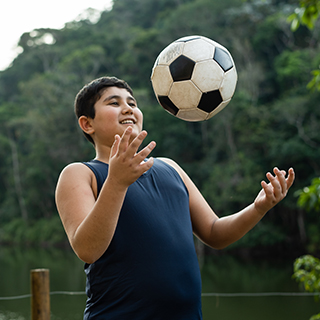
(131, 218)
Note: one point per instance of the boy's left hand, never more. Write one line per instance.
(274, 191)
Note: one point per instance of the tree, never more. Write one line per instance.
(271, 120)
(307, 14)
(307, 267)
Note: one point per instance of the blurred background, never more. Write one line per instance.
(272, 120)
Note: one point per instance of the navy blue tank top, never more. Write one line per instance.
(150, 270)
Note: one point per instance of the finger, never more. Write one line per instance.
(137, 141)
(267, 188)
(281, 178)
(290, 179)
(145, 166)
(145, 151)
(277, 189)
(124, 141)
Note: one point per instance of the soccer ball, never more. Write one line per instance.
(194, 78)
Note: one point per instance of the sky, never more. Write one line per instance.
(20, 16)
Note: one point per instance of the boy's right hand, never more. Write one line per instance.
(126, 164)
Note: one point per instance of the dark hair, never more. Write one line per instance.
(91, 93)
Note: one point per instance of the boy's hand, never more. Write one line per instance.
(274, 191)
(126, 164)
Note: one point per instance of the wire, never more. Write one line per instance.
(70, 293)
(16, 297)
(209, 294)
(261, 294)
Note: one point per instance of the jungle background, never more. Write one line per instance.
(272, 120)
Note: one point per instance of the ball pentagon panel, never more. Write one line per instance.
(218, 109)
(168, 105)
(223, 58)
(210, 101)
(207, 75)
(185, 94)
(182, 68)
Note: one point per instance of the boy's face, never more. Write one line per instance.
(114, 112)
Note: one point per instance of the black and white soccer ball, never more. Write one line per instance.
(194, 78)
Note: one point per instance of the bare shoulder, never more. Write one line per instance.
(74, 171)
(76, 167)
(75, 196)
(75, 176)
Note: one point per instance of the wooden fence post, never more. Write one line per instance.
(40, 294)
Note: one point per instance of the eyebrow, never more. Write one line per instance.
(118, 97)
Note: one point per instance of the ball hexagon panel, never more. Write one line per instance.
(228, 85)
(161, 80)
(188, 38)
(170, 53)
(185, 94)
(198, 50)
(215, 44)
(207, 75)
(182, 68)
(192, 115)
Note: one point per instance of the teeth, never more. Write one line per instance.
(127, 122)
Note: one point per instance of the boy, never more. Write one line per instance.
(131, 218)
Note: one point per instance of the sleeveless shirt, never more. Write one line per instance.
(150, 270)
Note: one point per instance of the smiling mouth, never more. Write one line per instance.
(127, 122)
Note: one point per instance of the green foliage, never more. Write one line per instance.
(271, 120)
(309, 197)
(309, 200)
(307, 272)
(307, 267)
(43, 232)
(291, 69)
(306, 14)
(314, 84)
(264, 235)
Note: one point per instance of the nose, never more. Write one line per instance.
(127, 109)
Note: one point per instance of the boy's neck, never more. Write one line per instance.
(103, 154)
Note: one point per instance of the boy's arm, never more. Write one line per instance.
(89, 222)
(221, 232)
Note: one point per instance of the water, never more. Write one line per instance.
(220, 274)
(229, 275)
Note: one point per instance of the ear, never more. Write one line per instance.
(86, 125)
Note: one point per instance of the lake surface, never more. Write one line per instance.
(220, 274)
